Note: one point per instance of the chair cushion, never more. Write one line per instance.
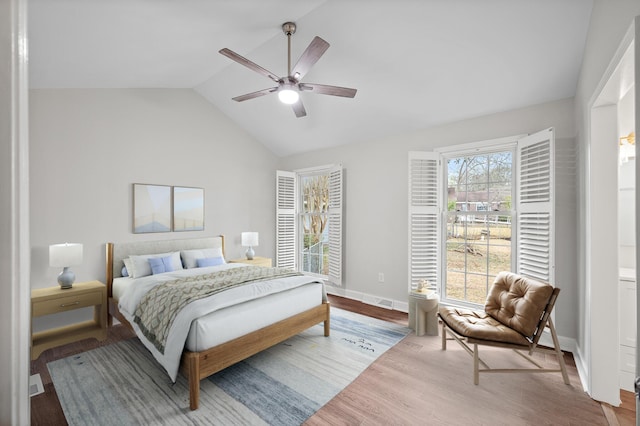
(518, 302)
(479, 325)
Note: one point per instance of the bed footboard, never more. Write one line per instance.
(199, 365)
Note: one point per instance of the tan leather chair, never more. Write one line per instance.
(515, 315)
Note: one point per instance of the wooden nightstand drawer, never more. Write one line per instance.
(256, 261)
(65, 303)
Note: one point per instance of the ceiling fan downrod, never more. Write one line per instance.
(289, 28)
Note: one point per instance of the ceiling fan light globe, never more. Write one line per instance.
(288, 96)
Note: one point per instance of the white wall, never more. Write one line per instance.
(89, 146)
(376, 200)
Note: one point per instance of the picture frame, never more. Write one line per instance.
(188, 209)
(151, 208)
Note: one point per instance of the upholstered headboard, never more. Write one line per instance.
(116, 252)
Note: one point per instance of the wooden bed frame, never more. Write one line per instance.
(199, 365)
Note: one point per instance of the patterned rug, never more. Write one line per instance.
(121, 384)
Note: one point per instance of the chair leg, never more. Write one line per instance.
(444, 337)
(476, 365)
(559, 354)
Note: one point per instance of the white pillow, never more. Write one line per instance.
(141, 267)
(190, 257)
(129, 265)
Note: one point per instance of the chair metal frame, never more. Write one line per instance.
(545, 322)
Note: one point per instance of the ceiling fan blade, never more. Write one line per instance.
(310, 56)
(298, 108)
(255, 94)
(247, 63)
(323, 89)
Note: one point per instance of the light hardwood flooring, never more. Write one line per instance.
(415, 382)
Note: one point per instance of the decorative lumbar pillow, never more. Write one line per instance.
(141, 267)
(160, 265)
(124, 271)
(190, 257)
(210, 261)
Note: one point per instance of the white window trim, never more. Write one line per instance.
(424, 216)
(336, 221)
(316, 169)
(286, 223)
(506, 143)
(484, 146)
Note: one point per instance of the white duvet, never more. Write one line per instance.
(179, 330)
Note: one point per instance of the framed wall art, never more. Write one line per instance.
(151, 208)
(188, 209)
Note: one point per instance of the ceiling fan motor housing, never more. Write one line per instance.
(289, 28)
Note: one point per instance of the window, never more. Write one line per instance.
(478, 223)
(309, 221)
(314, 221)
(477, 209)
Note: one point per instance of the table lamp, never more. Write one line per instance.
(65, 255)
(249, 239)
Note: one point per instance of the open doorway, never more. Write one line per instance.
(611, 231)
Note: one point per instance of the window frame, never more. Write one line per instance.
(534, 195)
(289, 215)
(470, 150)
(300, 215)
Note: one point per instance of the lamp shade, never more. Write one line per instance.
(249, 239)
(67, 254)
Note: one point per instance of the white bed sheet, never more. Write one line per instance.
(198, 327)
(119, 286)
(235, 321)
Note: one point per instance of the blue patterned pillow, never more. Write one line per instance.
(210, 261)
(160, 265)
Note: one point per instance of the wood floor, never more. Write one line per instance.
(415, 382)
(405, 387)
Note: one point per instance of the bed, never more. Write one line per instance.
(222, 329)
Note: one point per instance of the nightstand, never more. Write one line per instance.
(256, 261)
(52, 300)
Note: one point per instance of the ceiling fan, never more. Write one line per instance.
(289, 87)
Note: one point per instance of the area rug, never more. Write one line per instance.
(121, 384)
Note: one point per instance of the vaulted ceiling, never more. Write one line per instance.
(415, 63)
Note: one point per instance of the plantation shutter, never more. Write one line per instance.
(535, 249)
(335, 225)
(286, 190)
(424, 214)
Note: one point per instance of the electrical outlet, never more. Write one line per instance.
(380, 277)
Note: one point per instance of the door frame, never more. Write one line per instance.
(601, 352)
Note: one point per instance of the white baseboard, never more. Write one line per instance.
(378, 301)
(567, 344)
(370, 299)
(581, 366)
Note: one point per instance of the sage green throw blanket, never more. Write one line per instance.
(160, 306)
